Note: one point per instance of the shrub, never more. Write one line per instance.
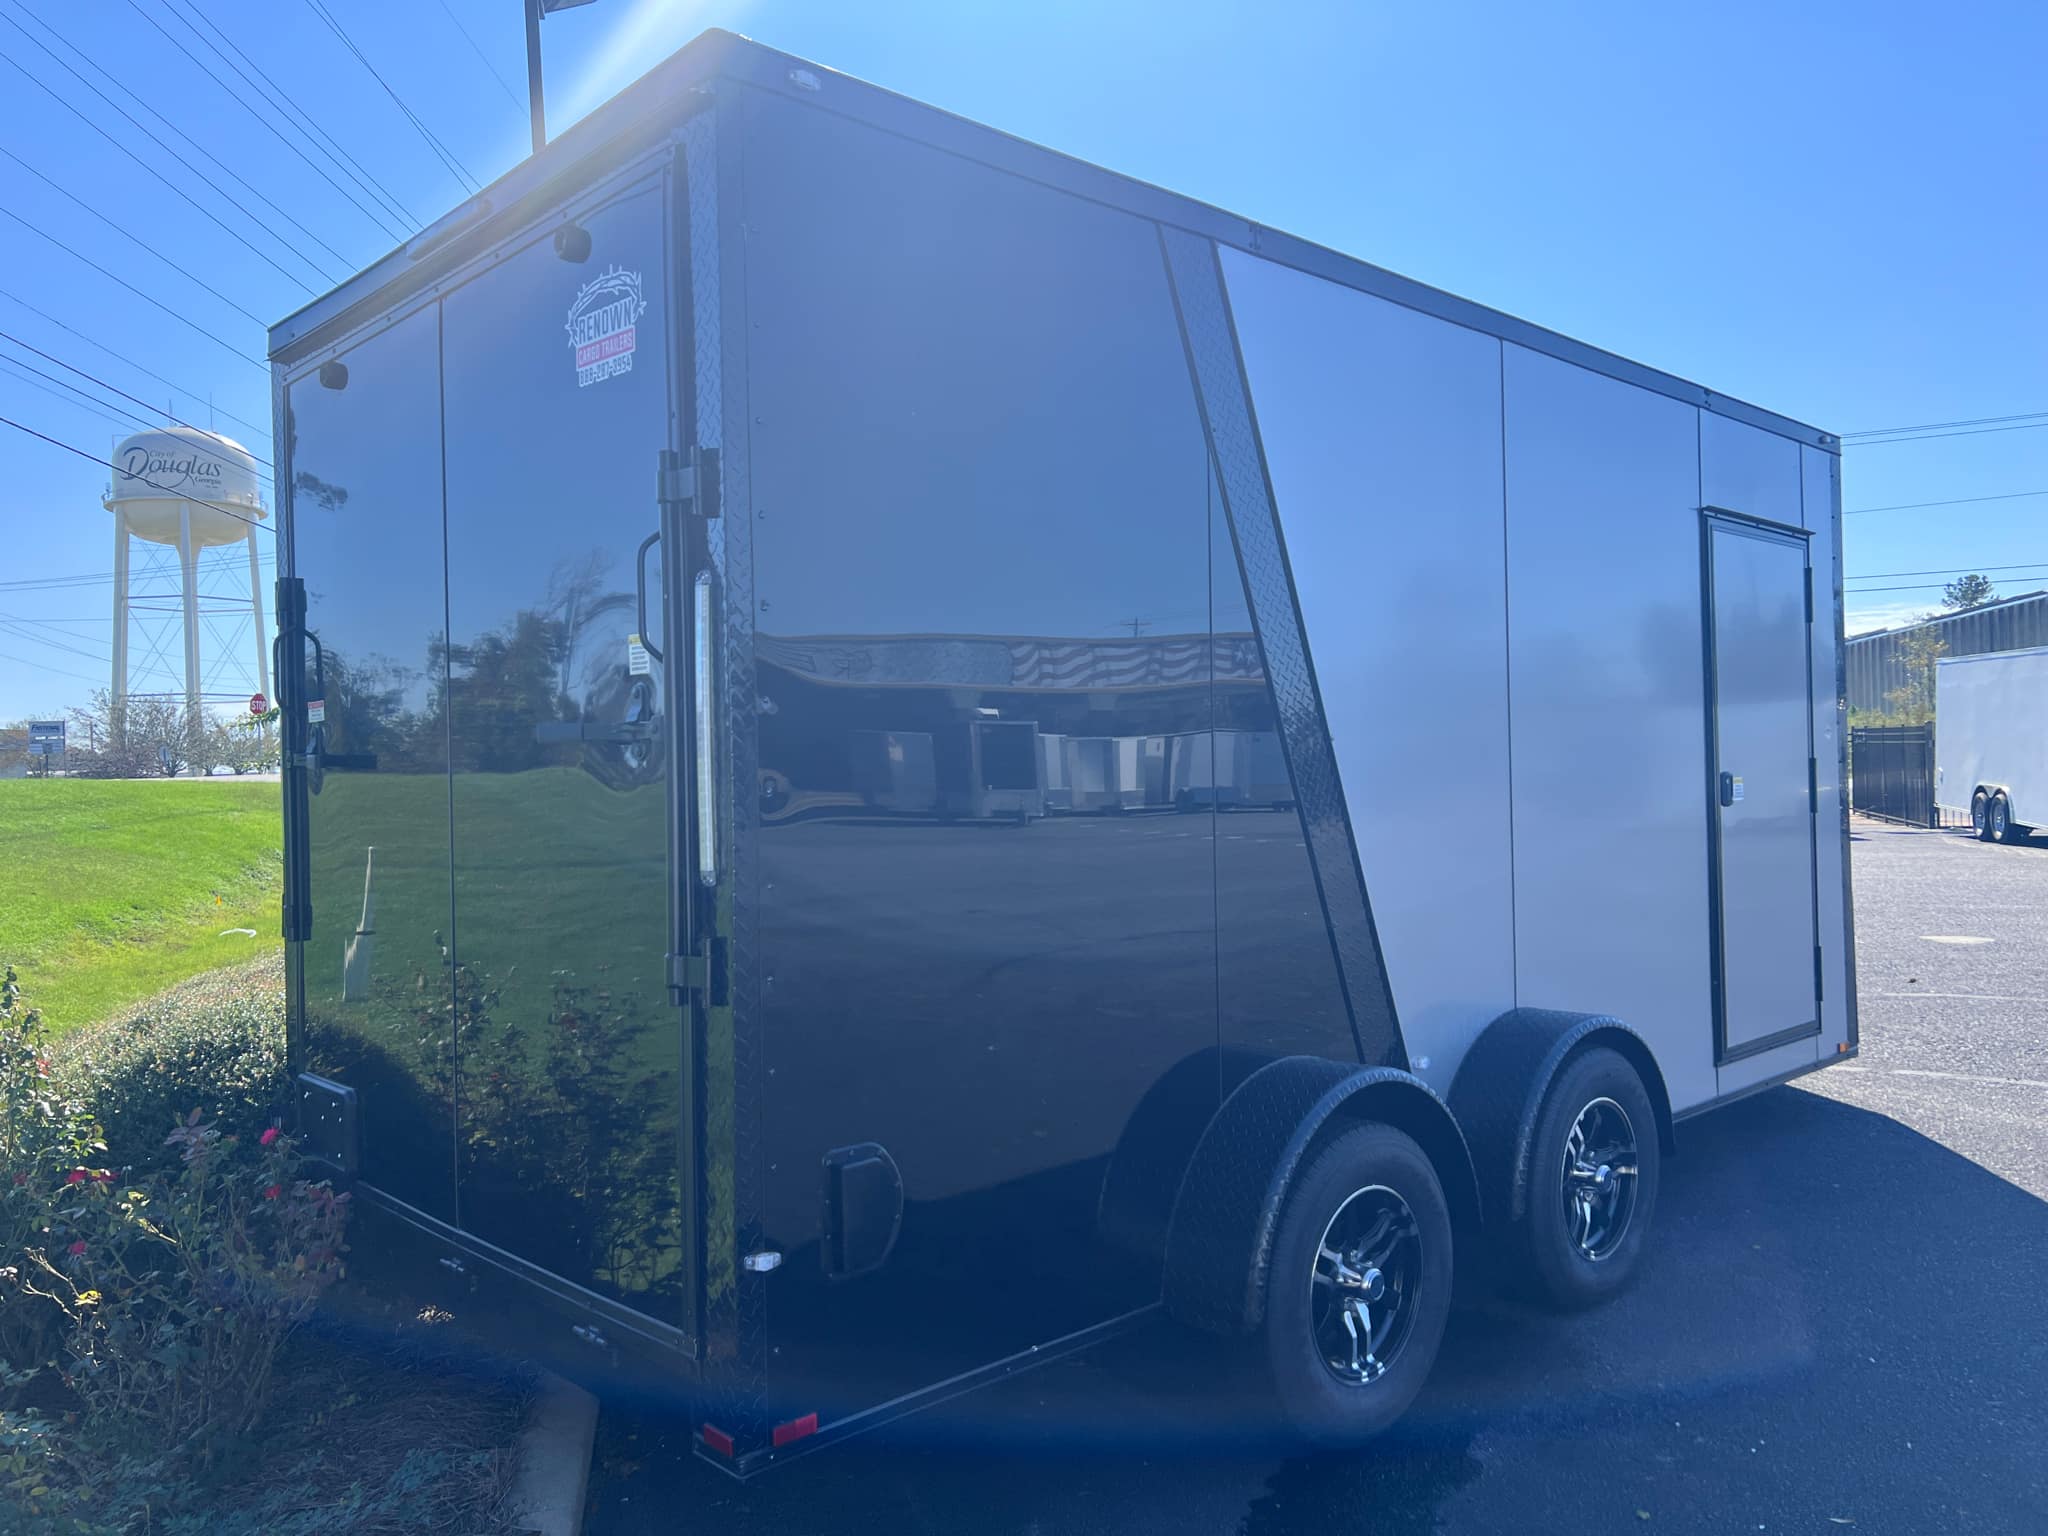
(178, 1292)
(44, 1133)
(214, 1045)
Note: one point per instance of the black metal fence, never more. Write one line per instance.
(1891, 773)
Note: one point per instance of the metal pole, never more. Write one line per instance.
(120, 690)
(188, 565)
(540, 116)
(256, 609)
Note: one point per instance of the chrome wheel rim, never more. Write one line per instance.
(1599, 1183)
(1999, 817)
(1362, 1293)
(1977, 813)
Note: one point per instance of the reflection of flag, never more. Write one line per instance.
(993, 661)
(1119, 663)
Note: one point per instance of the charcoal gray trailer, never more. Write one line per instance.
(654, 525)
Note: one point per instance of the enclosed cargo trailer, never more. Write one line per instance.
(1991, 741)
(660, 524)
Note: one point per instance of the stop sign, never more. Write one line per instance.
(258, 704)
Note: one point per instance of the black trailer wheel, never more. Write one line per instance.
(1593, 1168)
(1360, 1286)
(2003, 828)
(1980, 816)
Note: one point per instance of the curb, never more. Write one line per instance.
(554, 1460)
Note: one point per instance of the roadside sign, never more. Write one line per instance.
(46, 738)
(258, 704)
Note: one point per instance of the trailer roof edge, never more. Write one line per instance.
(639, 113)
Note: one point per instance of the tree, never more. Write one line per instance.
(1972, 591)
(1912, 702)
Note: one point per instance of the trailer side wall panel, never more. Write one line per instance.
(1608, 742)
(1381, 431)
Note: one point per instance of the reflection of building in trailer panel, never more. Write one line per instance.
(1226, 768)
(1052, 773)
(1102, 773)
(894, 770)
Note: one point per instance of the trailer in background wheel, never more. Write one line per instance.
(709, 553)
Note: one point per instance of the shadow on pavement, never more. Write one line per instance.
(1841, 1322)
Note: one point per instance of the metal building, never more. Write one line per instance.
(2010, 624)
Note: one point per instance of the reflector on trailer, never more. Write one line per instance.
(717, 1439)
(795, 1429)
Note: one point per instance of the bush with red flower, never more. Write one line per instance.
(154, 1298)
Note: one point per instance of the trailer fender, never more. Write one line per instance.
(1219, 1240)
(1500, 1087)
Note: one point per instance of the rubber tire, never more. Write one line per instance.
(1316, 1407)
(2001, 810)
(1980, 816)
(1546, 1260)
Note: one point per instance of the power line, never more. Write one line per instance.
(58, 442)
(256, 427)
(1932, 426)
(128, 234)
(19, 631)
(75, 255)
(157, 175)
(44, 666)
(228, 558)
(503, 84)
(1926, 586)
(447, 156)
(16, 362)
(281, 102)
(103, 384)
(1953, 501)
(138, 98)
(1928, 437)
(11, 368)
(1959, 570)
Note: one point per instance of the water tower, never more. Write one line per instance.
(188, 490)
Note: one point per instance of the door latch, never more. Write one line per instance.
(1731, 788)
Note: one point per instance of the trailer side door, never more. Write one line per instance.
(1760, 785)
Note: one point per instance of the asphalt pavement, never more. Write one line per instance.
(1840, 1328)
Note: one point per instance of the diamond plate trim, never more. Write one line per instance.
(1210, 337)
(735, 1302)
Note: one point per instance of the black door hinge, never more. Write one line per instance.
(1813, 785)
(698, 975)
(1819, 987)
(689, 485)
(1809, 594)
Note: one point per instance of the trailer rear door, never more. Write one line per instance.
(1766, 965)
(490, 835)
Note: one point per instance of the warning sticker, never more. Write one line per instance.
(316, 711)
(638, 662)
(1738, 786)
(604, 325)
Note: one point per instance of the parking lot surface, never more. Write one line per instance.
(1840, 1328)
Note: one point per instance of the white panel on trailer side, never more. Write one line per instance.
(1381, 429)
(1609, 710)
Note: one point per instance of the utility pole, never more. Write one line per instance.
(533, 96)
(535, 9)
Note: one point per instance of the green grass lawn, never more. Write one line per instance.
(114, 890)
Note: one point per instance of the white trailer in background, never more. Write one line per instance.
(1991, 741)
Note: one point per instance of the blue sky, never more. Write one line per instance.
(1833, 210)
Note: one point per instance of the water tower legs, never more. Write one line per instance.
(120, 690)
(256, 612)
(188, 566)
